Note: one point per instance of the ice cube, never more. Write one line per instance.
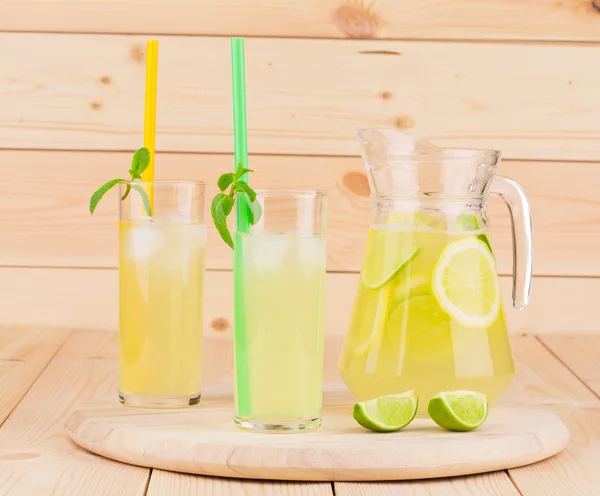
(192, 247)
(143, 242)
(269, 250)
(312, 255)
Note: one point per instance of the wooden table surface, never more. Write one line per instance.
(46, 372)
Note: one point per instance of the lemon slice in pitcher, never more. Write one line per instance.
(465, 283)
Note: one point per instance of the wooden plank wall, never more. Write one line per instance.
(519, 76)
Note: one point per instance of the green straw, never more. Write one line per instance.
(240, 153)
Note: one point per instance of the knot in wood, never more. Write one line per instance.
(356, 20)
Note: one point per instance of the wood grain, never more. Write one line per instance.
(34, 452)
(166, 483)
(460, 19)
(205, 441)
(88, 299)
(85, 299)
(44, 214)
(24, 353)
(304, 96)
(574, 472)
(580, 354)
(84, 364)
(492, 484)
(542, 379)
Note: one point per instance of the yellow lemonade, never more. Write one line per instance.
(280, 304)
(161, 271)
(427, 316)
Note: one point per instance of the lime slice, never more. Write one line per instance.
(391, 247)
(387, 413)
(417, 220)
(415, 286)
(388, 252)
(465, 283)
(459, 410)
(418, 334)
(383, 300)
(469, 222)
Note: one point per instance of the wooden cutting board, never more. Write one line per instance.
(204, 440)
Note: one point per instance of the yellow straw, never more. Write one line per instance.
(150, 111)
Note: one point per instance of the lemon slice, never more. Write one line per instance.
(465, 283)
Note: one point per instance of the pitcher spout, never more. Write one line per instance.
(388, 141)
(399, 164)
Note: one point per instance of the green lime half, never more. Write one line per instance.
(459, 410)
(387, 413)
(469, 222)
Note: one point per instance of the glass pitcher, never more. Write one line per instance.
(428, 314)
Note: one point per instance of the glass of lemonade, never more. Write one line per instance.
(279, 290)
(161, 287)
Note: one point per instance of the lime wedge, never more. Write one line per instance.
(459, 410)
(469, 222)
(388, 252)
(465, 283)
(387, 413)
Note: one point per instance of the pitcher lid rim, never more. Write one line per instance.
(443, 152)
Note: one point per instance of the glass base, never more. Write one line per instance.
(300, 425)
(158, 401)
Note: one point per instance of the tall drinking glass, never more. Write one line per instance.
(279, 285)
(161, 286)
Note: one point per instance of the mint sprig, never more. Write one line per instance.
(139, 163)
(222, 204)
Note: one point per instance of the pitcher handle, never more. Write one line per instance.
(520, 218)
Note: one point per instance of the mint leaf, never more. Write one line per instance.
(240, 171)
(101, 191)
(223, 202)
(139, 162)
(126, 194)
(213, 206)
(244, 188)
(225, 180)
(220, 208)
(145, 199)
(254, 212)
